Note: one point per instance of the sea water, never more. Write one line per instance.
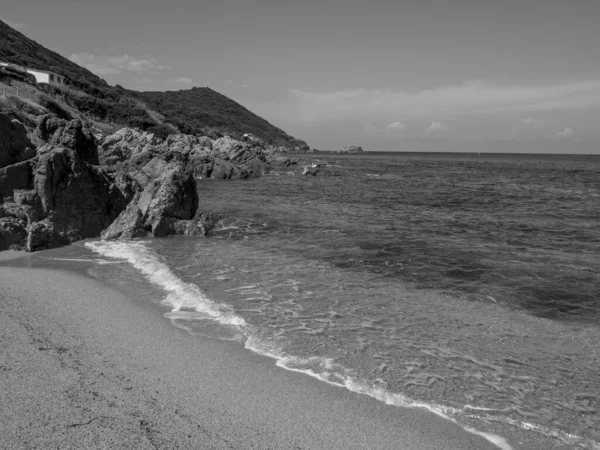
(467, 284)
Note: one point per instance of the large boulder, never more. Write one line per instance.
(74, 198)
(79, 138)
(61, 195)
(165, 200)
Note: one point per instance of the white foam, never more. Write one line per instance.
(187, 296)
(337, 375)
(180, 295)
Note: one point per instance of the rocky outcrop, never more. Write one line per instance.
(224, 158)
(60, 195)
(166, 200)
(132, 184)
(352, 149)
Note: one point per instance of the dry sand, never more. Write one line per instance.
(84, 366)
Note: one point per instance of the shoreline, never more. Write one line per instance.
(101, 367)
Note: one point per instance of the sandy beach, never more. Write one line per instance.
(84, 366)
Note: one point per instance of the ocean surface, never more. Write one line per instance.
(467, 284)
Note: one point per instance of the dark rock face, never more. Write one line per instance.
(15, 146)
(59, 196)
(166, 200)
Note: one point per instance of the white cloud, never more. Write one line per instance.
(437, 127)
(229, 81)
(103, 65)
(245, 86)
(471, 98)
(533, 122)
(396, 126)
(565, 133)
(183, 80)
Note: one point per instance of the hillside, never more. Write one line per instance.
(198, 110)
(194, 111)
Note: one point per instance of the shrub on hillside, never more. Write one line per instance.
(160, 131)
(130, 116)
(54, 107)
(91, 105)
(23, 106)
(8, 73)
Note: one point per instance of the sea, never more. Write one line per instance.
(467, 284)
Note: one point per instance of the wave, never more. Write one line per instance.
(180, 295)
(183, 297)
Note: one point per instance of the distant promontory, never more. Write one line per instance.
(352, 149)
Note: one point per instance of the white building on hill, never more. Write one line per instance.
(41, 76)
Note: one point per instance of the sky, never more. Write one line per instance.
(407, 75)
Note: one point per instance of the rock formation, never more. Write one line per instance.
(352, 149)
(59, 195)
(131, 184)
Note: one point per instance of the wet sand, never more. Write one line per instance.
(84, 366)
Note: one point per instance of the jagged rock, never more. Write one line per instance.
(124, 144)
(47, 125)
(76, 137)
(225, 145)
(80, 199)
(164, 201)
(15, 145)
(224, 158)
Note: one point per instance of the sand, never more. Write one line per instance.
(84, 366)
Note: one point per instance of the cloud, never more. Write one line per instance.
(565, 133)
(104, 65)
(533, 122)
(396, 126)
(182, 80)
(15, 25)
(229, 81)
(437, 127)
(471, 98)
(245, 86)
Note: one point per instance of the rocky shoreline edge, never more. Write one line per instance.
(60, 183)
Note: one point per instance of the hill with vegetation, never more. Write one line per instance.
(199, 111)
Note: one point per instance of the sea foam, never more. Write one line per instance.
(187, 296)
(180, 295)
